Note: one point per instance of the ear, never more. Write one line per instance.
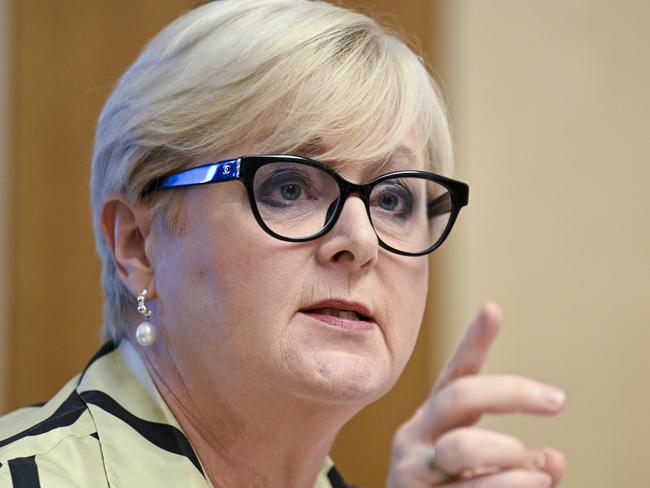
(126, 229)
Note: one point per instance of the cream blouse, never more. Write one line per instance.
(108, 427)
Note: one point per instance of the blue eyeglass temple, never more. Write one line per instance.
(208, 173)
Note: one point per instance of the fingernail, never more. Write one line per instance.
(555, 398)
(539, 458)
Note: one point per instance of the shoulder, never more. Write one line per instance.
(51, 445)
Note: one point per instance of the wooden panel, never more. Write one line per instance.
(5, 199)
(68, 55)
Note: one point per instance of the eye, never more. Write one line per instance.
(392, 199)
(290, 191)
(388, 201)
(284, 188)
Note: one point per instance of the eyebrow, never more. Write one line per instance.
(401, 157)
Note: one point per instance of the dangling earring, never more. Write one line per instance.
(145, 333)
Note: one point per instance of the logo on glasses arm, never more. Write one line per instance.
(227, 170)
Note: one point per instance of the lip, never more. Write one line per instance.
(349, 324)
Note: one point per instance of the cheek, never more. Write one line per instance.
(233, 294)
(225, 303)
(405, 288)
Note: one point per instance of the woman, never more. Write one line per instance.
(266, 187)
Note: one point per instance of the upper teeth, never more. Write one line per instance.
(344, 314)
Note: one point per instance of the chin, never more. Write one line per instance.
(344, 377)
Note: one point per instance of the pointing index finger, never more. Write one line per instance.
(472, 351)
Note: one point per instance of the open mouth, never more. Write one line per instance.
(337, 312)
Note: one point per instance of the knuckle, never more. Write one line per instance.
(460, 400)
(403, 470)
(402, 439)
(453, 449)
(461, 392)
(399, 477)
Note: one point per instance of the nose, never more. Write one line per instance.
(352, 242)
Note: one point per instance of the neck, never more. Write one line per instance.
(250, 438)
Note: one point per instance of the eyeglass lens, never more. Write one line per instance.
(408, 213)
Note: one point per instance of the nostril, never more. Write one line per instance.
(339, 256)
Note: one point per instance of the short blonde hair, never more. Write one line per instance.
(279, 73)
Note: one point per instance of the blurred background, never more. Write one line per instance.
(550, 107)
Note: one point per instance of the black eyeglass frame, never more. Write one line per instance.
(244, 168)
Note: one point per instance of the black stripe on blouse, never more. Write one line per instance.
(336, 479)
(67, 414)
(24, 472)
(164, 436)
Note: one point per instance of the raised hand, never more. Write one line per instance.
(440, 446)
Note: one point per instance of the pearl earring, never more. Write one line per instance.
(145, 333)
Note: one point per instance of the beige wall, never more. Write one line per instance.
(5, 76)
(551, 111)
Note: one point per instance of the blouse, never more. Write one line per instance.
(107, 427)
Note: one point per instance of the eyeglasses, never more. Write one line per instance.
(298, 199)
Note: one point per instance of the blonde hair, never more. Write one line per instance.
(277, 73)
